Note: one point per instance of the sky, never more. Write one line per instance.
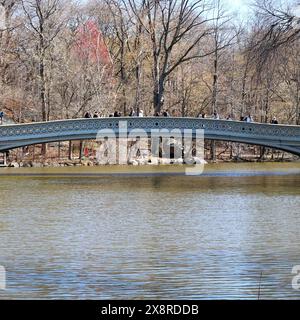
(237, 4)
(241, 7)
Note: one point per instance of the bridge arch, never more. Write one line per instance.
(281, 137)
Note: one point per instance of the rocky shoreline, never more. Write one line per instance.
(136, 162)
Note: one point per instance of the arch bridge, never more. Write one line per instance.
(282, 137)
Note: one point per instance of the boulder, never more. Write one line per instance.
(14, 164)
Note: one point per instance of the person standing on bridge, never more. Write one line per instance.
(132, 112)
(216, 115)
(1, 117)
(248, 118)
(274, 121)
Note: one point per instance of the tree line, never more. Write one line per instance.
(60, 59)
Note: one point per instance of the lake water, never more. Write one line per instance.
(99, 233)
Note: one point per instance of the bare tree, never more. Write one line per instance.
(172, 26)
(7, 8)
(290, 71)
(223, 36)
(278, 26)
(45, 20)
(120, 29)
(221, 39)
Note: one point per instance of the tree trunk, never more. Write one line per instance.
(80, 149)
(214, 101)
(33, 152)
(262, 153)
(58, 151)
(298, 105)
(213, 150)
(158, 95)
(70, 153)
(215, 86)
(42, 86)
(123, 76)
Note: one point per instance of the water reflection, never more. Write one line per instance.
(152, 236)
